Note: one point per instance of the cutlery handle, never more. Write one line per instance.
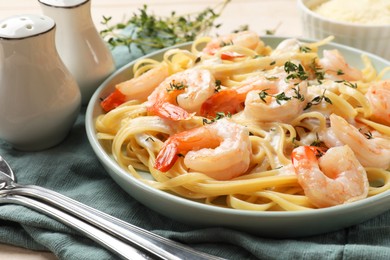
(152, 243)
(117, 246)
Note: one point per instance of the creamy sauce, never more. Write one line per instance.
(369, 12)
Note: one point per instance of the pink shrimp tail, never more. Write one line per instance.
(169, 111)
(115, 99)
(227, 101)
(167, 157)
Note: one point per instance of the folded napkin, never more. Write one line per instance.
(71, 168)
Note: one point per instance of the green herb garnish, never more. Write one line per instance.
(367, 134)
(317, 142)
(304, 49)
(298, 94)
(319, 74)
(272, 31)
(281, 97)
(272, 78)
(149, 139)
(218, 115)
(217, 86)
(347, 83)
(263, 94)
(223, 44)
(148, 31)
(176, 86)
(293, 141)
(295, 71)
(317, 100)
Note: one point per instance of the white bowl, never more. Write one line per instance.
(271, 224)
(371, 38)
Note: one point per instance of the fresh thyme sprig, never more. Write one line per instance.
(317, 100)
(218, 84)
(149, 139)
(298, 94)
(263, 94)
(319, 73)
(317, 142)
(176, 86)
(347, 83)
(295, 71)
(304, 49)
(218, 115)
(367, 134)
(149, 31)
(281, 97)
(223, 44)
(273, 31)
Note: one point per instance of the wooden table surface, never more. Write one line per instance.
(259, 15)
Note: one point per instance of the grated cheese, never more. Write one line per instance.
(369, 12)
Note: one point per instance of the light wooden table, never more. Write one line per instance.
(260, 15)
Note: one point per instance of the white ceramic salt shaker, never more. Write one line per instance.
(79, 44)
(39, 97)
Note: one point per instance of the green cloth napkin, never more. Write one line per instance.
(71, 168)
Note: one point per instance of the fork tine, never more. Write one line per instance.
(6, 169)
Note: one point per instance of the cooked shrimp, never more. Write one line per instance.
(220, 150)
(268, 97)
(247, 39)
(281, 103)
(335, 178)
(138, 88)
(336, 67)
(370, 150)
(231, 101)
(287, 46)
(181, 94)
(378, 96)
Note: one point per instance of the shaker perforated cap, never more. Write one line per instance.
(63, 3)
(24, 26)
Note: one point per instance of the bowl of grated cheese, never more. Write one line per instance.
(363, 24)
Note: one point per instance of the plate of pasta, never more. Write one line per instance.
(280, 137)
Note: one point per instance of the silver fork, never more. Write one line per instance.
(108, 241)
(149, 242)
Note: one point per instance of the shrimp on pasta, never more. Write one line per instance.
(138, 88)
(378, 95)
(231, 100)
(220, 150)
(371, 150)
(245, 39)
(268, 97)
(335, 67)
(181, 94)
(280, 104)
(335, 178)
(232, 122)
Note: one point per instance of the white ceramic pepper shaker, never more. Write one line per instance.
(79, 44)
(39, 98)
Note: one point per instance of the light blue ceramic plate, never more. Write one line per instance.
(271, 224)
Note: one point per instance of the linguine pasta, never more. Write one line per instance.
(135, 136)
